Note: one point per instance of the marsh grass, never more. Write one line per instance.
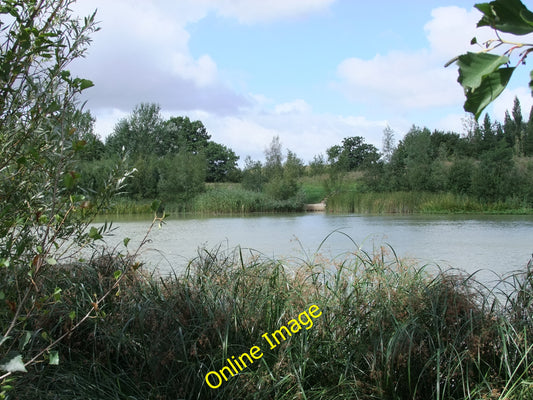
(389, 329)
(235, 200)
(217, 199)
(419, 202)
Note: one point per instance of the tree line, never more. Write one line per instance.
(174, 158)
(492, 162)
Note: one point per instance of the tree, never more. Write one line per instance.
(388, 143)
(273, 159)
(92, 148)
(138, 134)
(182, 176)
(182, 134)
(419, 158)
(318, 165)
(483, 75)
(221, 163)
(43, 219)
(286, 185)
(353, 154)
(528, 140)
(252, 175)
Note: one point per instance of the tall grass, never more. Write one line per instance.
(234, 200)
(388, 329)
(220, 199)
(418, 202)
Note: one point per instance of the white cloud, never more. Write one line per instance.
(411, 80)
(305, 134)
(298, 106)
(400, 80)
(451, 29)
(141, 54)
(202, 72)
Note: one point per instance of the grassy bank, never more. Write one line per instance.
(219, 199)
(233, 199)
(388, 329)
(419, 202)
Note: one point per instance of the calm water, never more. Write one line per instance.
(498, 243)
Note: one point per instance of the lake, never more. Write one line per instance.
(469, 242)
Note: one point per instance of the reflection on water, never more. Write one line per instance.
(498, 243)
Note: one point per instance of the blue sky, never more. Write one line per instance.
(310, 71)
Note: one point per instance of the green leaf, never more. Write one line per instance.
(491, 87)
(15, 364)
(51, 261)
(57, 294)
(24, 340)
(72, 315)
(155, 205)
(117, 274)
(126, 241)
(473, 67)
(94, 234)
(507, 16)
(482, 79)
(85, 84)
(54, 357)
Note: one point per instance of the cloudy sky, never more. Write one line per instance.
(310, 71)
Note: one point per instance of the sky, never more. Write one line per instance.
(309, 71)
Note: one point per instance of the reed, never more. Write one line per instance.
(235, 200)
(419, 202)
(389, 329)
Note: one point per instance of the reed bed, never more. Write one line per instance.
(419, 202)
(235, 200)
(389, 329)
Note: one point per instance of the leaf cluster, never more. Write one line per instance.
(484, 75)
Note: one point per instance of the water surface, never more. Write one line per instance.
(498, 243)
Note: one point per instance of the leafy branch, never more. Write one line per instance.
(483, 75)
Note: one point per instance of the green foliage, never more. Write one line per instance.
(273, 159)
(460, 176)
(493, 178)
(221, 163)
(389, 329)
(353, 154)
(484, 76)
(45, 207)
(182, 176)
(139, 134)
(317, 166)
(183, 135)
(252, 175)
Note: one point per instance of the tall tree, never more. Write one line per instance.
(182, 134)
(221, 163)
(353, 154)
(274, 158)
(138, 134)
(388, 143)
(528, 140)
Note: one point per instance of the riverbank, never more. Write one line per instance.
(420, 203)
(387, 329)
(232, 199)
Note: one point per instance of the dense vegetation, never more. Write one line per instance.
(81, 321)
(490, 166)
(388, 330)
